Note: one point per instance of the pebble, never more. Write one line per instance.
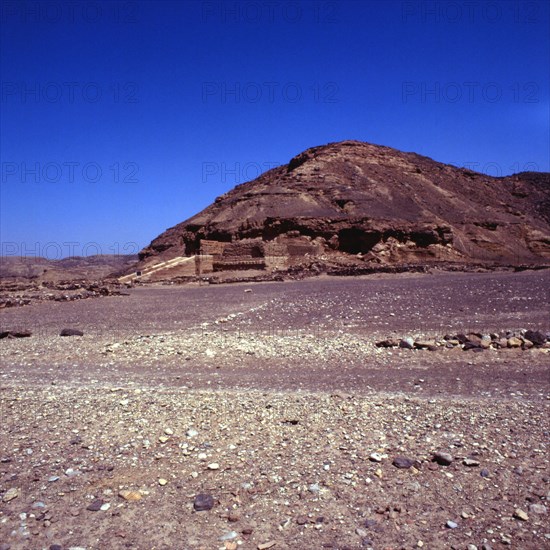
(203, 502)
(375, 457)
(361, 532)
(407, 343)
(442, 458)
(471, 547)
(451, 524)
(229, 535)
(520, 514)
(484, 472)
(52, 479)
(470, 462)
(169, 431)
(191, 433)
(213, 466)
(95, 505)
(314, 488)
(130, 496)
(403, 462)
(11, 494)
(105, 506)
(163, 438)
(162, 481)
(266, 545)
(538, 509)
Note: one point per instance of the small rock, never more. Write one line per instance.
(470, 462)
(95, 505)
(375, 457)
(520, 514)
(162, 481)
(169, 431)
(403, 462)
(363, 533)
(214, 466)
(10, 494)
(442, 458)
(451, 524)
(130, 496)
(71, 332)
(266, 545)
(514, 342)
(105, 507)
(229, 536)
(484, 473)
(406, 343)
(538, 509)
(191, 433)
(163, 438)
(203, 502)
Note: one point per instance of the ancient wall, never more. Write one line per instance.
(216, 248)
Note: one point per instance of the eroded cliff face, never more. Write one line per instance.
(367, 204)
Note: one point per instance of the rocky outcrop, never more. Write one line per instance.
(362, 204)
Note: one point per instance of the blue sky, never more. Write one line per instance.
(120, 119)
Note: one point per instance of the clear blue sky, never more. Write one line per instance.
(120, 119)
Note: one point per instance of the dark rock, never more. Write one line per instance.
(535, 336)
(403, 462)
(484, 473)
(15, 334)
(56, 547)
(388, 343)
(203, 502)
(95, 505)
(71, 332)
(442, 458)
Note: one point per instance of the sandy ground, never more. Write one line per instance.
(271, 399)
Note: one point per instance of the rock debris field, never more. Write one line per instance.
(265, 416)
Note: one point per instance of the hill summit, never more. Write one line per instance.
(354, 203)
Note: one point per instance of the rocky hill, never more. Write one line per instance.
(40, 270)
(354, 203)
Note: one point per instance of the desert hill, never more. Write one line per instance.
(40, 269)
(362, 204)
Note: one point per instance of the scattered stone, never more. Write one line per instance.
(361, 532)
(520, 514)
(484, 473)
(536, 337)
(406, 343)
(71, 332)
(538, 509)
(451, 524)
(214, 466)
(130, 496)
(162, 481)
(229, 536)
(15, 334)
(442, 458)
(95, 505)
(470, 462)
(266, 545)
(169, 431)
(11, 494)
(163, 438)
(203, 502)
(375, 457)
(514, 342)
(387, 343)
(191, 433)
(403, 462)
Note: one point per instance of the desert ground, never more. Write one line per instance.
(263, 415)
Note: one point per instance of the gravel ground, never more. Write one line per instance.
(272, 400)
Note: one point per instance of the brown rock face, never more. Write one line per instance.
(355, 203)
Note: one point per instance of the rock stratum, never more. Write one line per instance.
(353, 204)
